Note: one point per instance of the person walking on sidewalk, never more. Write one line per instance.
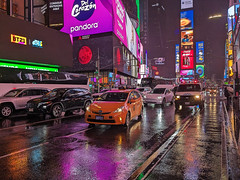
(227, 95)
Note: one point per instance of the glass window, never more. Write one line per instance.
(114, 96)
(189, 87)
(159, 90)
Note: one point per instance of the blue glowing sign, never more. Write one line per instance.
(37, 43)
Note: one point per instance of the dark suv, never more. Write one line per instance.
(60, 100)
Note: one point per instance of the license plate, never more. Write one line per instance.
(187, 103)
(30, 109)
(99, 117)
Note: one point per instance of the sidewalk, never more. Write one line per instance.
(205, 150)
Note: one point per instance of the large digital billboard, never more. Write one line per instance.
(87, 17)
(186, 20)
(200, 70)
(187, 40)
(177, 58)
(185, 4)
(186, 72)
(200, 52)
(187, 60)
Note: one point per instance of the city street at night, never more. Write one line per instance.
(186, 144)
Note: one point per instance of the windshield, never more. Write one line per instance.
(189, 87)
(114, 96)
(158, 90)
(55, 92)
(13, 93)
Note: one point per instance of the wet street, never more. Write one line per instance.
(165, 144)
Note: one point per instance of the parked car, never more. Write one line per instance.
(60, 100)
(17, 99)
(117, 107)
(190, 95)
(161, 94)
(144, 90)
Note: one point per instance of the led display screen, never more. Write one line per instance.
(177, 57)
(187, 40)
(187, 59)
(186, 72)
(186, 20)
(200, 70)
(185, 4)
(87, 17)
(200, 52)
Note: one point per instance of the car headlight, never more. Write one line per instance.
(160, 97)
(88, 109)
(197, 97)
(144, 96)
(118, 110)
(44, 103)
(177, 97)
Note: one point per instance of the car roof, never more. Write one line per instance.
(120, 90)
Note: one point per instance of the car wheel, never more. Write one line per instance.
(57, 110)
(163, 102)
(127, 120)
(141, 114)
(177, 106)
(91, 125)
(172, 101)
(88, 103)
(6, 110)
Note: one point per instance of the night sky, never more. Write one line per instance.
(213, 32)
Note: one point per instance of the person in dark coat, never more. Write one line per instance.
(227, 95)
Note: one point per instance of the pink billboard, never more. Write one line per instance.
(86, 17)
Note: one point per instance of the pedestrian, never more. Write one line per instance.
(227, 95)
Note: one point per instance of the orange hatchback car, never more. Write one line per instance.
(116, 107)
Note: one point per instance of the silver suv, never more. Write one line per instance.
(17, 99)
(189, 95)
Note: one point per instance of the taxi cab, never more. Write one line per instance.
(116, 107)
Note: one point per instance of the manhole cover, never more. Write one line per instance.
(63, 140)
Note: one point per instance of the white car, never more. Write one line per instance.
(161, 94)
(17, 99)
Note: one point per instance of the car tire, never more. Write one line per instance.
(127, 120)
(91, 125)
(87, 103)
(57, 110)
(6, 110)
(141, 114)
(177, 106)
(172, 101)
(164, 102)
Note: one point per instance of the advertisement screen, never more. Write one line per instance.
(87, 17)
(186, 72)
(159, 61)
(177, 56)
(187, 40)
(124, 29)
(187, 59)
(200, 70)
(185, 4)
(186, 20)
(200, 52)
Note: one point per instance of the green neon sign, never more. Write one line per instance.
(30, 67)
(138, 15)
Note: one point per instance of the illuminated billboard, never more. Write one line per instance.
(177, 58)
(187, 40)
(186, 20)
(186, 72)
(185, 4)
(187, 61)
(87, 17)
(200, 70)
(200, 52)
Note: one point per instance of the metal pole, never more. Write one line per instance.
(30, 10)
(98, 69)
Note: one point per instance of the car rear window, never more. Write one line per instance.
(189, 87)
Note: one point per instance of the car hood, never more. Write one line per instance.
(154, 95)
(108, 106)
